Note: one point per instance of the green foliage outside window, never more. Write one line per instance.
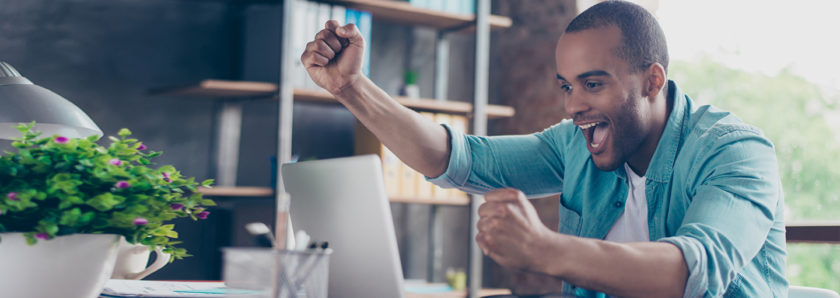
(791, 111)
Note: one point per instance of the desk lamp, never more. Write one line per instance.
(24, 102)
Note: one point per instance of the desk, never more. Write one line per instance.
(459, 294)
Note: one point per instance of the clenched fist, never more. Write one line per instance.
(334, 59)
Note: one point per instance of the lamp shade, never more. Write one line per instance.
(24, 102)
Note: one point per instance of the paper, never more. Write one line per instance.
(165, 289)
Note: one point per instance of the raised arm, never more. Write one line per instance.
(334, 62)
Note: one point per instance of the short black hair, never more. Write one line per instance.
(643, 42)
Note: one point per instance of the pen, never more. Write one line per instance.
(316, 254)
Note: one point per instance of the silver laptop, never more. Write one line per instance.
(343, 201)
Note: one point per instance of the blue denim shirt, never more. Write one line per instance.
(712, 189)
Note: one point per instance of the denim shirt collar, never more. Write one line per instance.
(662, 164)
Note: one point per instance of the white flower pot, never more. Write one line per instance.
(67, 266)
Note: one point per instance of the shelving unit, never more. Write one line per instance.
(403, 13)
(212, 88)
(238, 191)
(230, 114)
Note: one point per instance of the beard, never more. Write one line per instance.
(629, 132)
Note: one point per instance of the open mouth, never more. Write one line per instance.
(596, 134)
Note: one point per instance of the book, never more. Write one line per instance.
(425, 188)
(298, 40)
(367, 143)
(310, 28)
(339, 13)
(366, 26)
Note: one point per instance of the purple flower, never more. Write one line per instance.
(115, 161)
(61, 140)
(141, 147)
(203, 214)
(42, 236)
(122, 184)
(13, 196)
(176, 206)
(139, 221)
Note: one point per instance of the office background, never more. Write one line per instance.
(105, 55)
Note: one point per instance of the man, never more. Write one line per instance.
(660, 197)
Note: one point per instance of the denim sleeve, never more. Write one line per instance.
(531, 163)
(734, 196)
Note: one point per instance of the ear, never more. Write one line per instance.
(655, 80)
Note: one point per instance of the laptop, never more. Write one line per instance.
(343, 201)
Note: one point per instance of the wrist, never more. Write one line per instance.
(349, 88)
(550, 252)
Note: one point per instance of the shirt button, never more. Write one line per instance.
(618, 204)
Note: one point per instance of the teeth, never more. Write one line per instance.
(587, 126)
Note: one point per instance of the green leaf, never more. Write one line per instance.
(105, 201)
(70, 217)
(124, 132)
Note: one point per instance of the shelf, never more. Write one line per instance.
(452, 107)
(220, 88)
(237, 191)
(462, 201)
(405, 13)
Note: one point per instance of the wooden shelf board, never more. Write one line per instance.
(405, 13)
(237, 191)
(220, 88)
(461, 201)
(454, 107)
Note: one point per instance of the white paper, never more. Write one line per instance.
(150, 288)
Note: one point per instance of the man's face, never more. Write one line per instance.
(603, 95)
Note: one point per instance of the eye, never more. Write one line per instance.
(566, 87)
(593, 84)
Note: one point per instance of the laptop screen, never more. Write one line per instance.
(343, 201)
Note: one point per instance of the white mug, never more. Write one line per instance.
(132, 259)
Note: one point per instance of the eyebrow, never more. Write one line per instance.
(593, 73)
(587, 74)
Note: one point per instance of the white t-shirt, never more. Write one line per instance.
(632, 225)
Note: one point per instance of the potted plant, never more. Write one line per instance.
(59, 194)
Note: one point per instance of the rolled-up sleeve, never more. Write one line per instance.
(531, 163)
(732, 210)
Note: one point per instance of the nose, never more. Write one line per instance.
(575, 104)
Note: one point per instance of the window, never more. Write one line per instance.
(776, 65)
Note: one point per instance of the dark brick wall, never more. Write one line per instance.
(104, 55)
(523, 76)
(523, 72)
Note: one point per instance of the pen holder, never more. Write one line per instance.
(277, 273)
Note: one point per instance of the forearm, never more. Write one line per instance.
(643, 269)
(419, 142)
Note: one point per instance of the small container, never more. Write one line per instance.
(277, 273)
